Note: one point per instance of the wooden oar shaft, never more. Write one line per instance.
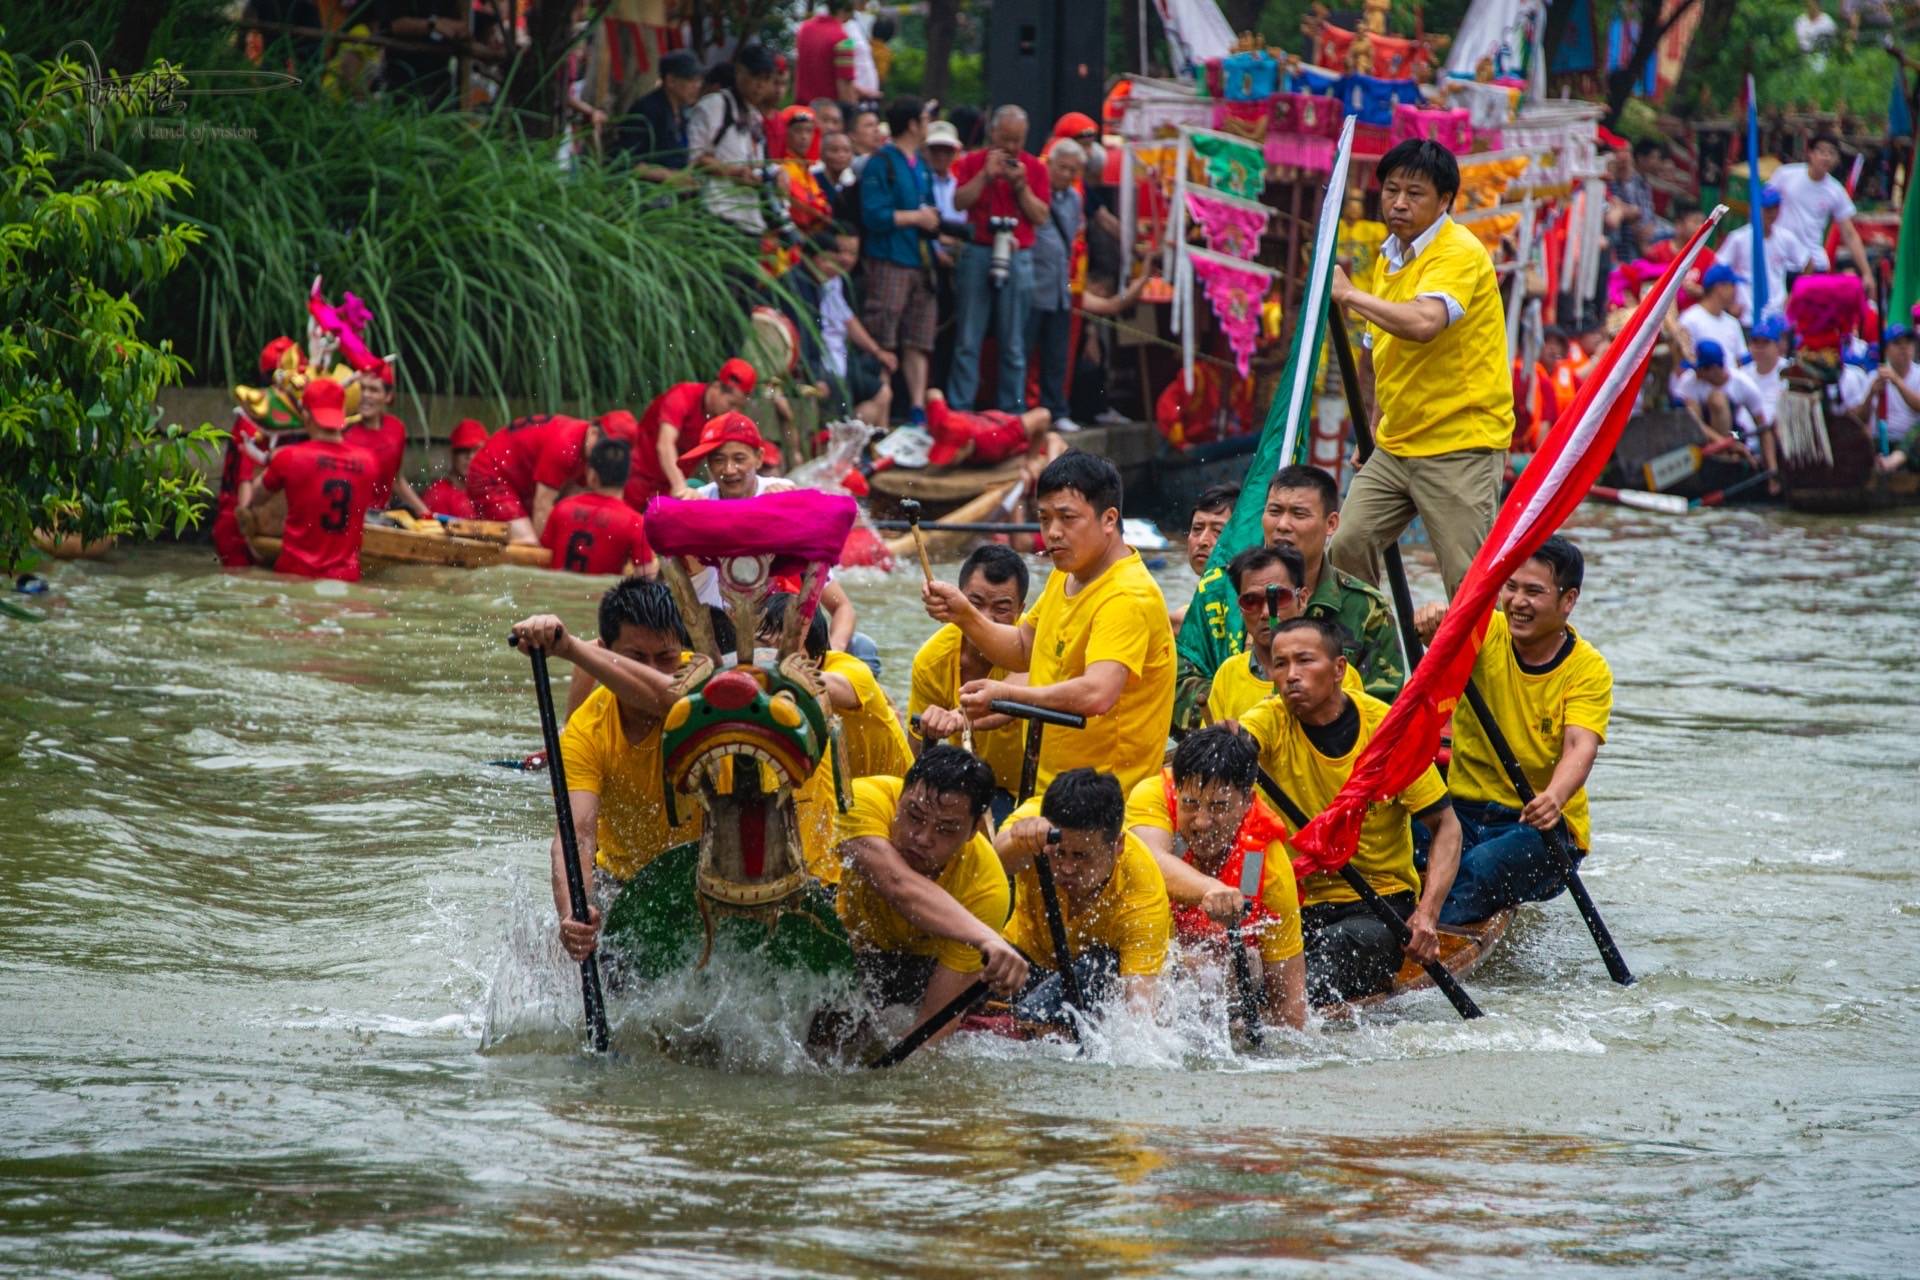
(1381, 908)
(569, 846)
(1057, 931)
(932, 1027)
(1243, 983)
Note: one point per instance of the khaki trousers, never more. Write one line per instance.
(1455, 493)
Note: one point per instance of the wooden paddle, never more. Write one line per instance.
(1038, 718)
(912, 509)
(1250, 869)
(569, 844)
(932, 1027)
(1410, 636)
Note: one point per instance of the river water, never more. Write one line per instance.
(262, 896)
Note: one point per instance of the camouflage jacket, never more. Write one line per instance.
(1374, 637)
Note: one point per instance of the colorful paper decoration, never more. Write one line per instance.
(1234, 290)
(1232, 227)
(1232, 165)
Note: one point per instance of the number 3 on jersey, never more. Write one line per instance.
(339, 496)
(579, 546)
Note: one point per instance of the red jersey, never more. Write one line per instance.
(236, 470)
(822, 56)
(445, 498)
(1258, 829)
(595, 533)
(328, 485)
(387, 442)
(563, 458)
(681, 408)
(501, 478)
(998, 200)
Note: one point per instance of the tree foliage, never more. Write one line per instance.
(81, 449)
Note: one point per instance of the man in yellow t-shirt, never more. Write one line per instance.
(923, 896)
(1310, 738)
(1436, 366)
(611, 745)
(1552, 694)
(1201, 822)
(1240, 683)
(1096, 644)
(1113, 899)
(994, 581)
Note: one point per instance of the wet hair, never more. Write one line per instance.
(1649, 146)
(1085, 800)
(818, 641)
(610, 461)
(1000, 563)
(902, 112)
(1334, 638)
(1568, 565)
(1219, 497)
(1299, 475)
(949, 771)
(724, 637)
(1422, 158)
(1217, 753)
(1254, 559)
(636, 602)
(1087, 474)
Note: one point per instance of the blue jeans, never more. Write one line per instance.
(979, 304)
(863, 648)
(1047, 340)
(1502, 863)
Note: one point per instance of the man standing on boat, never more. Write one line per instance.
(1097, 644)
(923, 896)
(1435, 369)
(611, 745)
(1552, 694)
(672, 424)
(1310, 737)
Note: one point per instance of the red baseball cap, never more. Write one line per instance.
(380, 369)
(271, 353)
(740, 374)
(620, 425)
(731, 428)
(467, 434)
(1073, 124)
(326, 400)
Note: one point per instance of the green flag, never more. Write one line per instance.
(1906, 263)
(1233, 165)
(1212, 632)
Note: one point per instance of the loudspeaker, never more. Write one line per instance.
(1049, 57)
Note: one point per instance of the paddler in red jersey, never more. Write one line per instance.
(596, 532)
(1214, 842)
(328, 483)
(385, 437)
(524, 467)
(672, 426)
(447, 496)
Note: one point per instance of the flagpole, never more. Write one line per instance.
(1758, 241)
(1410, 637)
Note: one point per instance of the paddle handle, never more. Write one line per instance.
(1057, 930)
(931, 1027)
(1243, 983)
(1448, 984)
(569, 844)
(1555, 840)
(1040, 715)
(960, 526)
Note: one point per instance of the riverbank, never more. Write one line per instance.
(264, 888)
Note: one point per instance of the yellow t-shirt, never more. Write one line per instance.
(936, 683)
(1456, 391)
(1236, 690)
(1131, 913)
(1280, 936)
(973, 876)
(1311, 780)
(1534, 710)
(1119, 617)
(633, 829)
(816, 808)
(876, 744)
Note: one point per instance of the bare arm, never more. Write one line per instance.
(839, 615)
(1286, 984)
(1030, 202)
(1092, 693)
(1098, 305)
(1901, 389)
(543, 500)
(968, 193)
(1187, 885)
(1850, 236)
(1578, 749)
(1443, 863)
(666, 447)
(924, 904)
(578, 939)
(403, 490)
(1008, 646)
(1421, 320)
(635, 684)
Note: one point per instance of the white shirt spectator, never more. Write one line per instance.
(722, 126)
(1724, 329)
(835, 315)
(943, 189)
(1769, 384)
(866, 72)
(1741, 393)
(1900, 415)
(1806, 206)
(1855, 385)
(1787, 254)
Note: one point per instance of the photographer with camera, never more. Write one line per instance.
(897, 213)
(726, 136)
(1004, 192)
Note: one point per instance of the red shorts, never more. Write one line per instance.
(493, 498)
(229, 542)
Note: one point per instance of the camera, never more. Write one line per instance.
(1002, 249)
(779, 221)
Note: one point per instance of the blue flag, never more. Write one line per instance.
(1758, 273)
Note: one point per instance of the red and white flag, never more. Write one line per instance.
(1548, 490)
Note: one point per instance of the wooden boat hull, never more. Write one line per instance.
(382, 546)
(1462, 948)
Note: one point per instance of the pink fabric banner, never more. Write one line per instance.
(1234, 290)
(1230, 227)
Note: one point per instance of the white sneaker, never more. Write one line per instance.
(1065, 426)
(1111, 418)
